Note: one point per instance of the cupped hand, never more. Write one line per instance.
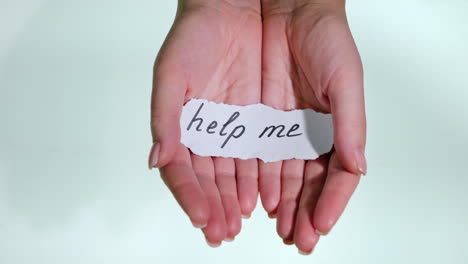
(310, 61)
(213, 51)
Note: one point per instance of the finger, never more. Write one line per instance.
(305, 236)
(346, 96)
(166, 106)
(270, 185)
(215, 231)
(339, 186)
(226, 182)
(247, 185)
(292, 174)
(181, 180)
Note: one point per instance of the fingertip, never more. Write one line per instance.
(168, 148)
(270, 185)
(246, 216)
(361, 162)
(321, 233)
(233, 227)
(200, 220)
(233, 220)
(247, 205)
(323, 225)
(304, 253)
(160, 155)
(270, 197)
(286, 219)
(215, 232)
(305, 236)
(336, 193)
(154, 155)
(199, 215)
(326, 214)
(306, 243)
(270, 204)
(229, 239)
(200, 226)
(166, 108)
(247, 185)
(324, 218)
(213, 244)
(349, 122)
(352, 159)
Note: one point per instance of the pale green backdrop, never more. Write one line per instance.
(75, 79)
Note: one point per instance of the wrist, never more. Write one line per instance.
(252, 5)
(274, 6)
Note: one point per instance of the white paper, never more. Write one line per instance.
(254, 131)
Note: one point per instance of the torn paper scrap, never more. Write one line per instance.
(254, 131)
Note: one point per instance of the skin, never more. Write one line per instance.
(213, 51)
(310, 61)
(286, 54)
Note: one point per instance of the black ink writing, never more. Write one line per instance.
(233, 134)
(272, 130)
(231, 131)
(230, 120)
(237, 132)
(280, 128)
(195, 118)
(211, 126)
(292, 129)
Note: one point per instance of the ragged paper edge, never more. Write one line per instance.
(254, 155)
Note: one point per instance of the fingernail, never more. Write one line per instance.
(198, 226)
(213, 245)
(246, 216)
(154, 155)
(318, 232)
(305, 253)
(361, 164)
(272, 215)
(229, 239)
(288, 242)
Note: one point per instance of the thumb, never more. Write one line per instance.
(166, 106)
(346, 96)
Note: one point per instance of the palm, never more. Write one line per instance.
(216, 54)
(304, 51)
(219, 53)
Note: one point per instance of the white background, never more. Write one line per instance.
(75, 81)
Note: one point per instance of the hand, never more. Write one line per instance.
(213, 51)
(310, 61)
